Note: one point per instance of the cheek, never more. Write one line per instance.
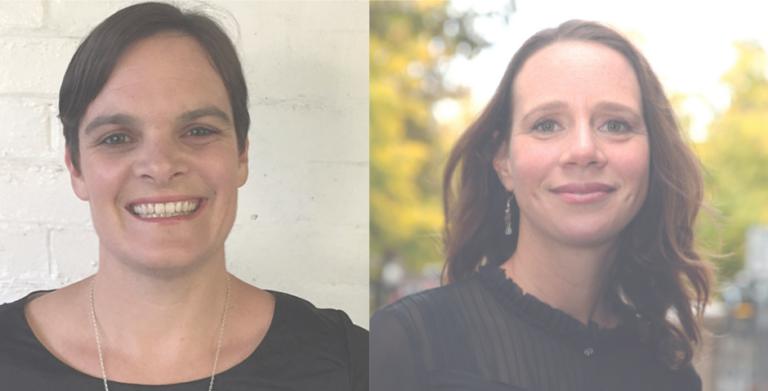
(101, 177)
(633, 163)
(530, 164)
(221, 174)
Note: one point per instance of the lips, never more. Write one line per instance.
(165, 208)
(581, 193)
(584, 188)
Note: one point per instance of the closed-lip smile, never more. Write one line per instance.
(582, 193)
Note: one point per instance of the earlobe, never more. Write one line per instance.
(76, 177)
(502, 168)
(242, 169)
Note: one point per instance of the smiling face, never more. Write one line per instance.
(577, 159)
(159, 160)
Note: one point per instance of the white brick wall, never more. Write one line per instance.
(20, 15)
(302, 224)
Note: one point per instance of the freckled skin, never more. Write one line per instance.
(588, 92)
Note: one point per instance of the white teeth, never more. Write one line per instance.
(165, 209)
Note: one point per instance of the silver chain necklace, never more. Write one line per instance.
(215, 357)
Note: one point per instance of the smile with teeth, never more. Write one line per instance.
(165, 209)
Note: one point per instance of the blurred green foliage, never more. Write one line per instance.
(735, 158)
(411, 42)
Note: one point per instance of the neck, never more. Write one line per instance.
(147, 314)
(568, 278)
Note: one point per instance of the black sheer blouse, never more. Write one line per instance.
(485, 334)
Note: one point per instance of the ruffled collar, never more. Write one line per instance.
(555, 321)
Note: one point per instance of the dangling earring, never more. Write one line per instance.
(508, 216)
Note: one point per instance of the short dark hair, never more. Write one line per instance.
(97, 55)
(658, 267)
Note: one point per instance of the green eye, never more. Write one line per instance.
(615, 126)
(545, 126)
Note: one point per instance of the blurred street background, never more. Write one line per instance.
(434, 65)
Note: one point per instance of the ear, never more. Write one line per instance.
(503, 166)
(76, 177)
(242, 168)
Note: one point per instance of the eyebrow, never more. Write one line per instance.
(555, 105)
(618, 107)
(207, 111)
(601, 106)
(112, 119)
(132, 121)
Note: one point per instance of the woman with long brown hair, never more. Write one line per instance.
(570, 261)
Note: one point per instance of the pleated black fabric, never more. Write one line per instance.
(305, 348)
(485, 334)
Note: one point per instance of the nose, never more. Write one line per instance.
(583, 147)
(160, 160)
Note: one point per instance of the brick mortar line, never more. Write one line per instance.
(54, 161)
(50, 225)
(46, 13)
(49, 251)
(41, 32)
(41, 96)
(51, 129)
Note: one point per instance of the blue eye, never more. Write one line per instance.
(116, 139)
(616, 126)
(546, 126)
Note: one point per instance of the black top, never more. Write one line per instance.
(485, 334)
(305, 348)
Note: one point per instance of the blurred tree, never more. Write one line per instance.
(411, 44)
(735, 157)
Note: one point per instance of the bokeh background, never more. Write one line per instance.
(434, 65)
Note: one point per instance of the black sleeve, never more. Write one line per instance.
(394, 363)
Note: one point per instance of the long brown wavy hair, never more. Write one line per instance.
(657, 270)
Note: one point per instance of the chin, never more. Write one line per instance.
(580, 237)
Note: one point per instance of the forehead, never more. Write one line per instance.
(165, 73)
(576, 72)
(163, 53)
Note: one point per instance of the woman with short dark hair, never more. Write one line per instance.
(154, 110)
(569, 205)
